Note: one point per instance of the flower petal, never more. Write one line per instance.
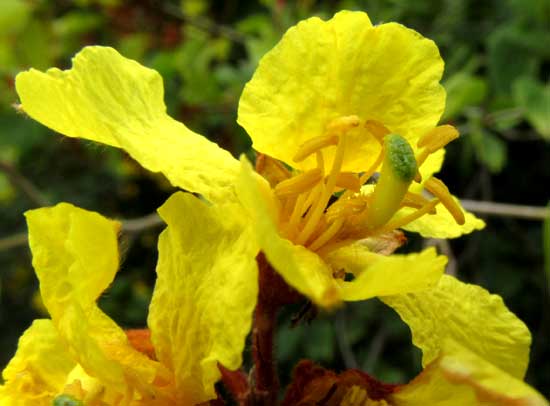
(459, 377)
(380, 275)
(205, 294)
(113, 100)
(467, 314)
(75, 256)
(321, 70)
(300, 268)
(441, 224)
(431, 165)
(39, 369)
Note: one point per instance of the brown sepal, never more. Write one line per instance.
(315, 385)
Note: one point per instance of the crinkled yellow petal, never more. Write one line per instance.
(380, 275)
(75, 256)
(116, 101)
(205, 294)
(302, 269)
(441, 224)
(467, 314)
(431, 165)
(459, 377)
(321, 70)
(37, 372)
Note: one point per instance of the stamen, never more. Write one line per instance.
(348, 180)
(319, 207)
(345, 208)
(433, 140)
(303, 203)
(438, 189)
(299, 184)
(271, 169)
(400, 222)
(415, 200)
(320, 161)
(327, 235)
(377, 129)
(343, 124)
(438, 137)
(313, 145)
(289, 202)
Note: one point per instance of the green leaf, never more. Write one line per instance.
(511, 56)
(489, 149)
(320, 345)
(534, 97)
(463, 90)
(14, 16)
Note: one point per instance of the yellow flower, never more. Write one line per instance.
(336, 101)
(474, 353)
(199, 316)
(323, 101)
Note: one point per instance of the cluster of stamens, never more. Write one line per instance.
(324, 208)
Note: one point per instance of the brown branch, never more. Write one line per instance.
(203, 24)
(13, 241)
(130, 226)
(20, 182)
(506, 210)
(141, 223)
(343, 342)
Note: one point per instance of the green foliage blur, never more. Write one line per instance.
(497, 77)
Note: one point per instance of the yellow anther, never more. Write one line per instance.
(313, 145)
(327, 235)
(348, 180)
(319, 207)
(438, 189)
(400, 222)
(304, 201)
(377, 129)
(320, 161)
(438, 137)
(343, 124)
(432, 141)
(415, 200)
(345, 208)
(299, 184)
(271, 169)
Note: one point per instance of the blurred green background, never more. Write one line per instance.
(497, 57)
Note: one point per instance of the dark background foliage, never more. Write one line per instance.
(497, 77)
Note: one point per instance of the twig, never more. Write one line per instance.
(20, 182)
(131, 226)
(446, 250)
(141, 223)
(13, 241)
(343, 342)
(506, 210)
(375, 350)
(203, 24)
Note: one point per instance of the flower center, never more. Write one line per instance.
(324, 208)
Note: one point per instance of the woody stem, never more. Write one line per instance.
(273, 293)
(266, 380)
